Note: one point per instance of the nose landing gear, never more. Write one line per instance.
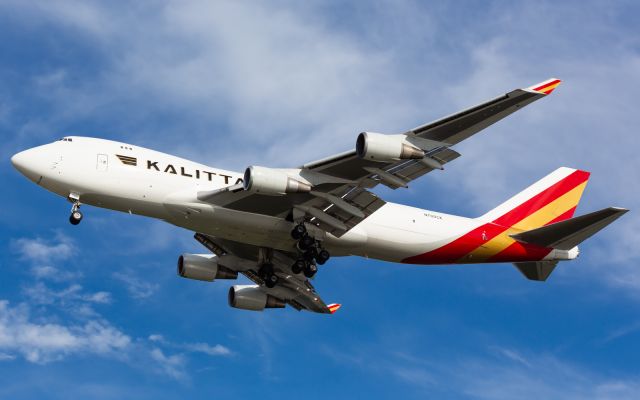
(76, 215)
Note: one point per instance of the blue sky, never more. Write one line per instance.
(97, 310)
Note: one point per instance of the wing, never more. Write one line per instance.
(295, 290)
(339, 204)
(440, 135)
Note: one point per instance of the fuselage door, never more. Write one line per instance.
(103, 162)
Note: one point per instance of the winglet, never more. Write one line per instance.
(545, 87)
(334, 307)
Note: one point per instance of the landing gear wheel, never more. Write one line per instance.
(271, 280)
(298, 231)
(322, 257)
(298, 266)
(75, 217)
(265, 270)
(310, 270)
(310, 254)
(305, 242)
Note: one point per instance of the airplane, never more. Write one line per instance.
(276, 225)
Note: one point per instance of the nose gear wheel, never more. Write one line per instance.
(76, 215)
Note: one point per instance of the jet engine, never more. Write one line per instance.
(251, 297)
(203, 267)
(386, 148)
(272, 181)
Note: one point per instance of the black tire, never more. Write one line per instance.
(323, 257)
(311, 254)
(271, 280)
(298, 266)
(75, 217)
(310, 270)
(305, 242)
(298, 231)
(265, 270)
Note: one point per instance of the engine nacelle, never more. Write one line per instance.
(272, 181)
(203, 267)
(385, 148)
(251, 297)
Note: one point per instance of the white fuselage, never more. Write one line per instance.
(137, 180)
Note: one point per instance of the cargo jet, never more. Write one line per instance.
(276, 225)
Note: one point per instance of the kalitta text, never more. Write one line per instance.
(191, 173)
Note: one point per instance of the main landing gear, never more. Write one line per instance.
(76, 215)
(311, 252)
(268, 275)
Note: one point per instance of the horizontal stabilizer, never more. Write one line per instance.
(567, 234)
(536, 270)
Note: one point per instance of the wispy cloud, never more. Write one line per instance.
(137, 287)
(48, 272)
(197, 347)
(285, 75)
(500, 373)
(42, 342)
(58, 317)
(216, 350)
(540, 376)
(171, 365)
(40, 293)
(622, 331)
(38, 250)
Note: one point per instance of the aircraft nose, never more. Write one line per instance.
(27, 163)
(18, 160)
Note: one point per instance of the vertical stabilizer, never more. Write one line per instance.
(552, 199)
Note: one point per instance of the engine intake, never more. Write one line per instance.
(385, 148)
(272, 181)
(251, 297)
(203, 267)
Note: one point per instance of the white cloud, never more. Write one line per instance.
(54, 274)
(500, 374)
(284, 76)
(137, 287)
(40, 293)
(512, 355)
(199, 347)
(541, 376)
(156, 338)
(42, 342)
(217, 350)
(173, 365)
(60, 247)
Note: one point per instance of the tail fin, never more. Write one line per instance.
(552, 199)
